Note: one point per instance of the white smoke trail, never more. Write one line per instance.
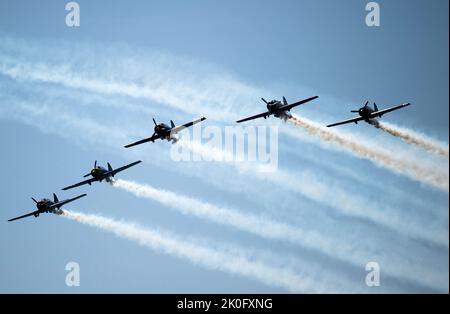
(177, 102)
(436, 177)
(269, 229)
(412, 137)
(402, 265)
(256, 224)
(317, 190)
(307, 184)
(233, 262)
(162, 87)
(164, 94)
(216, 98)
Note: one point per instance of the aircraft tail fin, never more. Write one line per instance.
(285, 101)
(55, 198)
(375, 106)
(109, 167)
(172, 124)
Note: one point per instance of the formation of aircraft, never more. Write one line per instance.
(99, 174)
(278, 109)
(368, 114)
(47, 206)
(164, 132)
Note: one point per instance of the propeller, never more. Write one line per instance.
(88, 174)
(154, 121)
(367, 102)
(34, 200)
(264, 101)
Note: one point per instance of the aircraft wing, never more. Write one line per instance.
(298, 103)
(260, 115)
(145, 140)
(113, 172)
(356, 119)
(23, 216)
(88, 181)
(181, 127)
(379, 113)
(59, 204)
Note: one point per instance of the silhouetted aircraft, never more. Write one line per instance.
(368, 114)
(165, 132)
(278, 109)
(99, 174)
(47, 206)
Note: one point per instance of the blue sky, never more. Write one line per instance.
(218, 58)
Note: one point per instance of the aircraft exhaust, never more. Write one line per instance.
(233, 261)
(415, 138)
(428, 175)
(263, 226)
(258, 225)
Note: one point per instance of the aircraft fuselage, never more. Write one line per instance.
(273, 108)
(43, 206)
(99, 172)
(164, 131)
(365, 112)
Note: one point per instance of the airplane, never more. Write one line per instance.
(99, 174)
(278, 109)
(164, 132)
(368, 114)
(47, 206)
